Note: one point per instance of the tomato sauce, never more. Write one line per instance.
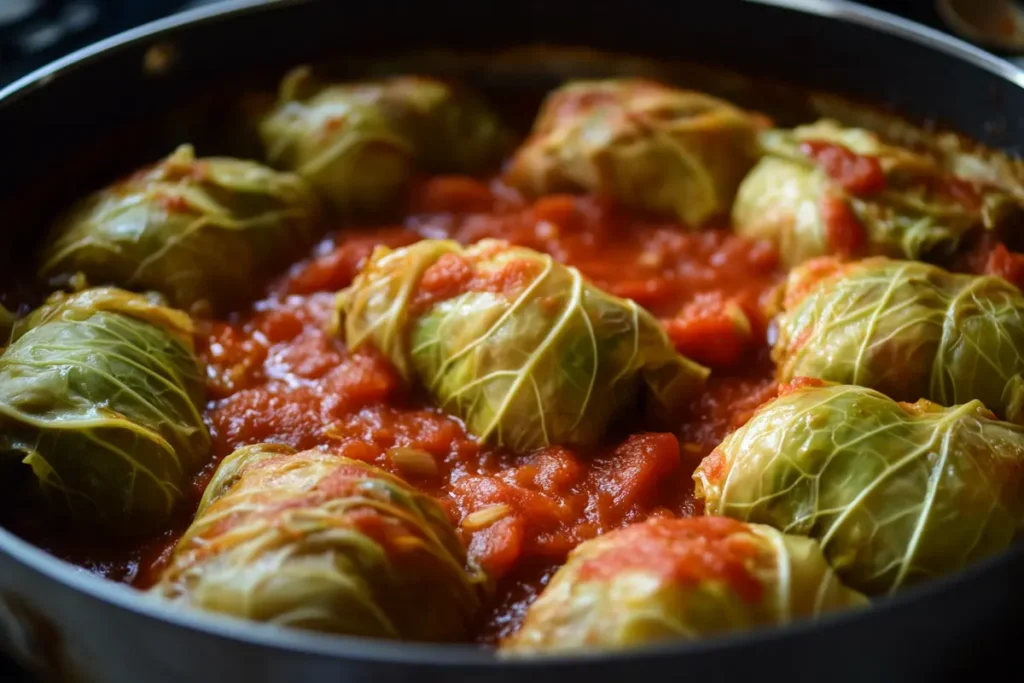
(857, 174)
(275, 373)
(687, 551)
(1003, 263)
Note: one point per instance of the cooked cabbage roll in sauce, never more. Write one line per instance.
(895, 492)
(823, 189)
(358, 144)
(641, 143)
(204, 232)
(908, 329)
(668, 579)
(101, 396)
(319, 541)
(435, 364)
(520, 347)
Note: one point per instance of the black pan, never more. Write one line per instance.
(70, 625)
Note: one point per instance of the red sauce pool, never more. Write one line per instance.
(275, 374)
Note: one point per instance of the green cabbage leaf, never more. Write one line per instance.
(101, 397)
(641, 143)
(895, 493)
(523, 349)
(317, 541)
(678, 579)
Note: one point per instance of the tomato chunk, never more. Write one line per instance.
(1006, 264)
(336, 268)
(857, 174)
(711, 330)
(846, 235)
(963, 192)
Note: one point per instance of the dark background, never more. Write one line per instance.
(35, 32)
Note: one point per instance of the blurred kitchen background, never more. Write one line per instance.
(34, 32)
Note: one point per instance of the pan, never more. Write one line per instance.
(108, 107)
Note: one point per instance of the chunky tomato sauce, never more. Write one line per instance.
(275, 373)
(857, 174)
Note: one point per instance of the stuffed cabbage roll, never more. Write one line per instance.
(203, 232)
(896, 493)
(359, 143)
(824, 189)
(317, 541)
(907, 329)
(641, 143)
(101, 397)
(679, 579)
(520, 347)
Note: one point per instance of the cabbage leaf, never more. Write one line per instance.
(678, 579)
(525, 351)
(101, 396)
(908, 329)
(896, 493)
(317, 541)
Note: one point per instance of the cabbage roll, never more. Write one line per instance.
(679, 579)
(101, 397)
(202, 232)
(643, 144)
(896, 493)
(908, 329)
(521, 348)
(823, 189)
(317, 541)
(359, 143)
